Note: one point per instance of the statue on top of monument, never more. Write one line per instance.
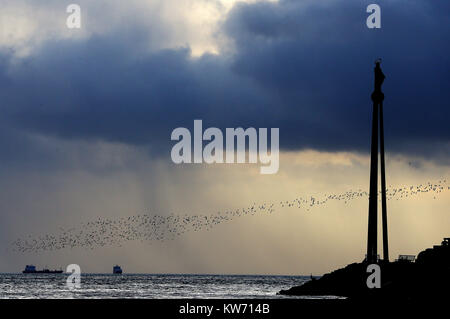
(379, 76)
(377, 95)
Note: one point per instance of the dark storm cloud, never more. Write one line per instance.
(320, 58)
(303, 67)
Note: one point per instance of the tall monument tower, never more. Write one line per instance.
(377, 98)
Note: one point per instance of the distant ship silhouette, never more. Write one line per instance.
(31, 269)
(117, 269)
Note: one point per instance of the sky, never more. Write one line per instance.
(87, 116)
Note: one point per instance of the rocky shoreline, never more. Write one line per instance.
(426, 278)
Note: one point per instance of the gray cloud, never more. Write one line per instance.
(303, 67)
(80, 115)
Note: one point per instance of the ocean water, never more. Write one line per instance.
(147, 286)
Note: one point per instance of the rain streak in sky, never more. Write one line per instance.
(146, 227)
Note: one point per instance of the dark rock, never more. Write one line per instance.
(427, 278)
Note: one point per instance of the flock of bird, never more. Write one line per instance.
(147, 227)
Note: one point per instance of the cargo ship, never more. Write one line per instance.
(117, 269)
(30, 269)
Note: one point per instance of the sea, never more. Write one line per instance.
(154, 286)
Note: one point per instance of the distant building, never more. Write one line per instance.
(406, 258)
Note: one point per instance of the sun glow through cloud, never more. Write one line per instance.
(86, 117)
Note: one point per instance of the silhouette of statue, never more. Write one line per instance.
(377, 95)
(379, 76)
